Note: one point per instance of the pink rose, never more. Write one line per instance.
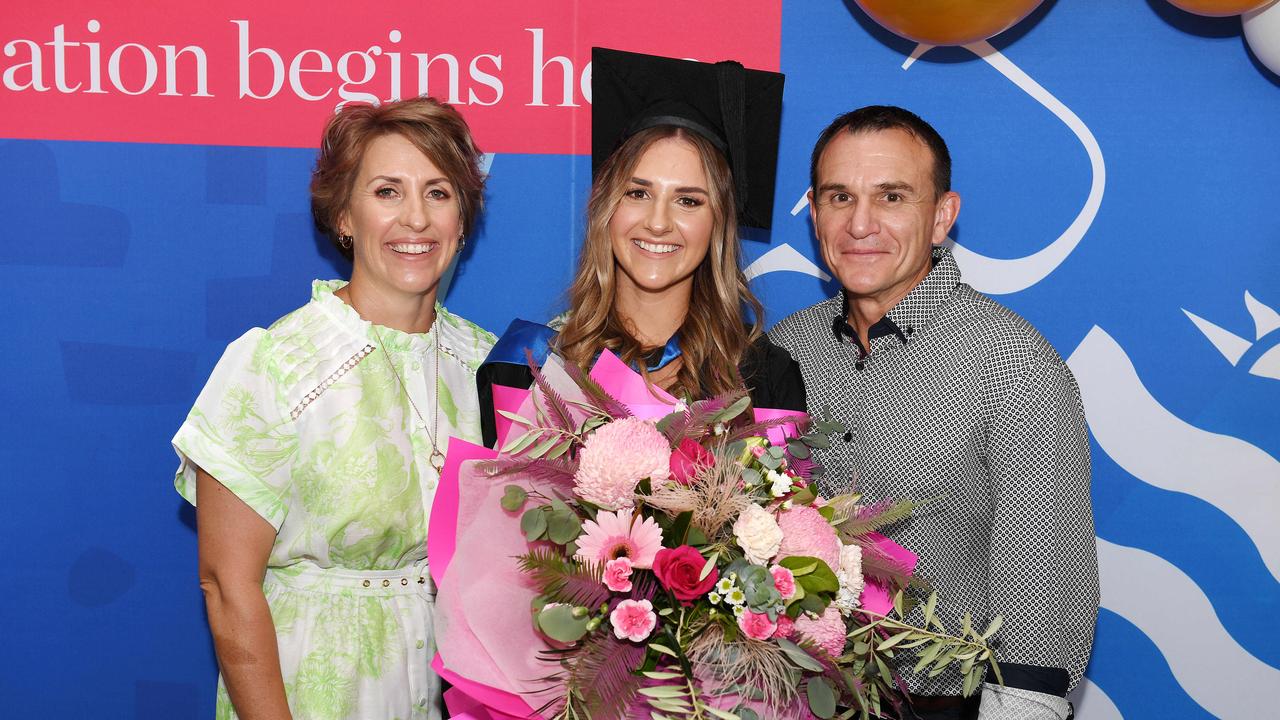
(786, 627)
(784, 581)
(617, 574)
(633, 620)
(678, 570)
(687, 458)
(756, 626)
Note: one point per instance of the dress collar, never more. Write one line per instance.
(322, 293)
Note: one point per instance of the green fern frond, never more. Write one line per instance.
(564, 580)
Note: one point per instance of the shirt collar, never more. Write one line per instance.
(913, 311)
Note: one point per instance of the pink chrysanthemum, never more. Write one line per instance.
(826, 631)
(616, 458)
(613, 535)
(806, 532)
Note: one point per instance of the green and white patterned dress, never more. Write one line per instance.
(306, 423)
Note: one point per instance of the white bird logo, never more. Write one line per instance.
(1261, 360)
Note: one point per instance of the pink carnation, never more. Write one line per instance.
(784, 581)
(826, 631)
(617, 575)
(633, 620)
(786, 627)
(616, 458)
(805, 532)
(756, 626)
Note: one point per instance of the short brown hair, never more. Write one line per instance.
(877, 118)
(436, 129)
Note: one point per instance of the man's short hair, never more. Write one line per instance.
(875, 118)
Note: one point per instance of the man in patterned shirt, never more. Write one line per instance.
(947, 394)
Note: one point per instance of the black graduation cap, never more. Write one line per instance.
(737, 109)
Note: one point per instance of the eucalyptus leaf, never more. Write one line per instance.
(817, 441)
(822, 698)
(563, 526)
(798, 449)
(751, 477)
(533, 523)
(559, 623)
(513, 498)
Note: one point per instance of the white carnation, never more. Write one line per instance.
(758, 534)
(781, 483)
(850, 577)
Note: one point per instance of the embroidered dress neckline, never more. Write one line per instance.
(323, 294)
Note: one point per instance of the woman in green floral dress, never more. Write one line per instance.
(315, 448)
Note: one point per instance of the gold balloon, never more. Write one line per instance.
(948, 22)
(1219, 8)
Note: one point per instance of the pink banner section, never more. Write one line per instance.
(268, 74)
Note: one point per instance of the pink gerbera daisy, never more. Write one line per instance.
(614, 534)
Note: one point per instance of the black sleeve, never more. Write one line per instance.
(773, 377)
(497, 373)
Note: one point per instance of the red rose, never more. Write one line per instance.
(687, 458)
(678, 570)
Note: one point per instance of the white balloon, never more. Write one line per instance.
(1262, 30)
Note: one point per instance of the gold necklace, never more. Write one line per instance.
(437, 457)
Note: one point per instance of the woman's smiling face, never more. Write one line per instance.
(404, 217)
(661, 229)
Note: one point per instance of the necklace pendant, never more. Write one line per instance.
(437, 460)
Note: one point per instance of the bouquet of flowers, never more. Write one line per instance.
(678, 563)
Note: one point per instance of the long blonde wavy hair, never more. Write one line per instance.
(723, 319)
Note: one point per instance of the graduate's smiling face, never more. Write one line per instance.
(661, 229)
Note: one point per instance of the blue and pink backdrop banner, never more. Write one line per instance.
(1118, 164)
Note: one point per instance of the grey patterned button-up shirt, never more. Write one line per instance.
(958, 398)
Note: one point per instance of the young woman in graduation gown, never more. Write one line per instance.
(659, 281)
